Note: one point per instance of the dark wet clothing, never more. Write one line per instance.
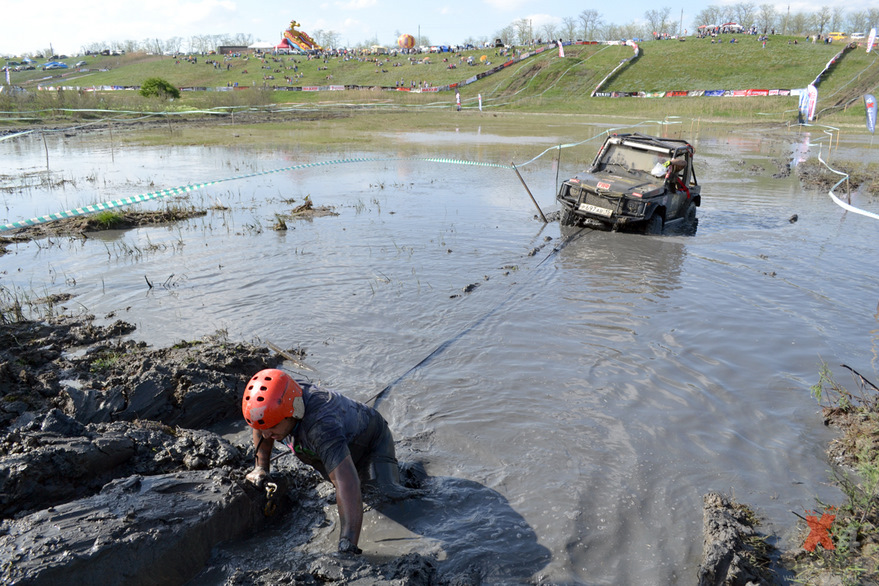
(334, 427)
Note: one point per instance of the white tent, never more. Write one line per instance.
(262, 46)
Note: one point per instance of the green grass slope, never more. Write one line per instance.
(541, 83)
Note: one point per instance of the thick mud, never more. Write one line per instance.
(108, 476)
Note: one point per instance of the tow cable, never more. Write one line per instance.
(375, 399)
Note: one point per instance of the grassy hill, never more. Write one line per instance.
(542, 83)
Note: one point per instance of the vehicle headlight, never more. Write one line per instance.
(634, 206)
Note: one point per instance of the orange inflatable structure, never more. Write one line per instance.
(300, 39)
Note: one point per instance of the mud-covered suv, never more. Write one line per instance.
(636, 182)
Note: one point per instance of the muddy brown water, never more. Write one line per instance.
(575, 402)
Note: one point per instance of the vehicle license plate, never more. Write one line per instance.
(585, 207)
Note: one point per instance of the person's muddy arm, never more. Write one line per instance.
(263, 447)
(348, 499)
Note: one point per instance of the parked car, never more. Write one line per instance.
(54, 65)
(636, 182)
(857, 36)
(80, 64)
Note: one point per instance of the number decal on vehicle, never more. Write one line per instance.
(585, 207)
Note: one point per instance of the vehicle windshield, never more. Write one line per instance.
(628, 159)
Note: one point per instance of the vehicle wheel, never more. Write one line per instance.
(566, 218)
(654, 225)
(690, 215)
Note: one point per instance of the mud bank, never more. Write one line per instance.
(108, 475)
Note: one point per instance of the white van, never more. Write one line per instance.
(857, 36)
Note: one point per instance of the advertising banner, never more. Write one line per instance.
(803, 105)
(871, 39)
(870, 104)
(812, 99)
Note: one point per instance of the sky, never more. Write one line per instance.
(67, 26)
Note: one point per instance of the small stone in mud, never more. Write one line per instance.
(793, 218)
(471, 287)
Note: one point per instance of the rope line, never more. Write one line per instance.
(845, 176)
(164, 193)
(172, 191)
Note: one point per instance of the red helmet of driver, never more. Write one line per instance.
(270, 397)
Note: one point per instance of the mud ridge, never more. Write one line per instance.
(109, 475)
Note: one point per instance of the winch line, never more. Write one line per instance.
(164, 193)
(376, 399)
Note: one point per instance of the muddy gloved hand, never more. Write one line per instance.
(345, 546)
(257, 476)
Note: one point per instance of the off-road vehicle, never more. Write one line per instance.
(636, 182)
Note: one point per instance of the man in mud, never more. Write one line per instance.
(346, 441)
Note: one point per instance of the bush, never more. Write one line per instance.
(156, 86)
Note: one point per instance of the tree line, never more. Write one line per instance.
(591, 25)
(587, 25)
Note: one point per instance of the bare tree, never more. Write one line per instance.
(569, 28)
(822, 18)
(837, 18)
(657, 20)
(766, 17)
(873, 17)
(199, 43)
(174, 44)
(93, 47)
(330, 40)
(727, 14)
(548, 31)
(523, 30)
(154, 46)
(507, 35)
(858, 21)
(625, 31)
(243, 39)
(798, 24)
(745, 14)
(590, 19)
(710, 16)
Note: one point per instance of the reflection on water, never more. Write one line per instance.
(578, 403)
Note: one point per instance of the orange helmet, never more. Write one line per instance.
(270, 397)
